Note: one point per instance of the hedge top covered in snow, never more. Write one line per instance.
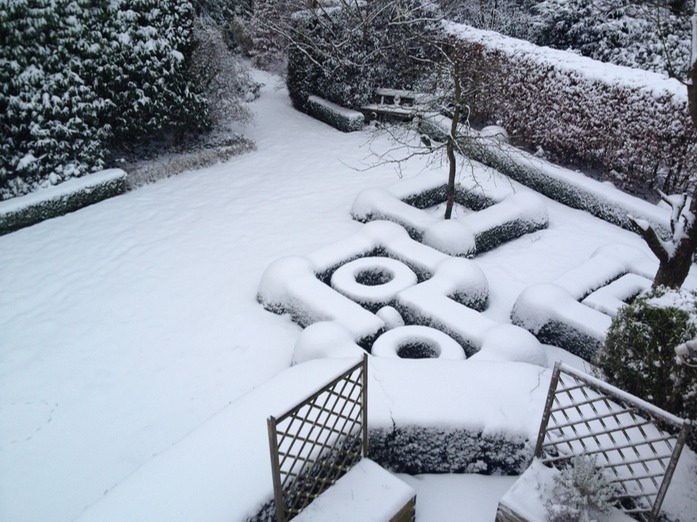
(566, 61)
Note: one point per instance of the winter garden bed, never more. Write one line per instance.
(187, 352)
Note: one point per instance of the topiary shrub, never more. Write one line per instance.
(638, 355)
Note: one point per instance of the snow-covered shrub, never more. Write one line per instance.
(496, 220)
(72, 195)
(639, 357)
(223, 13)
(509, 17)
(144, 172)
(51, 118)
(632, 126)
(581, 493)
(267, 45)
(145, 74)
(221, 75)
(378, 48)
(418, 449)
(80, 75)
(345, 120)
(648, 35)
(556, 183)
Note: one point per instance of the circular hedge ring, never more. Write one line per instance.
(373, 280)
(417, 342)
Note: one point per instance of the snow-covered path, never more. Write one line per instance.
(127, 324)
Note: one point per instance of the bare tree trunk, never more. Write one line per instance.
(450, 145)
(674, 257)
(692, 74)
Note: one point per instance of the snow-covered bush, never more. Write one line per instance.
(267, 44)
(638, 355)
(632, 126)
(51, 202)
(76, 75)
(509, 17)
(645, 35)
(418, 449)
(378, 48)
(581, 493)
(51, 118)
(346, 120)
(221, 75)
(145, 74)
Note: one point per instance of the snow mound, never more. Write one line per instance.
(391, 317)
(325, 339)
(450, 237)
(373, 281)
(506, 342)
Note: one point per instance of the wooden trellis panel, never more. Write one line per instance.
(319, 440)
(636, 443)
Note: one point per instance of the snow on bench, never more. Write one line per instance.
(368, 493)
(397, 104)
(317, 457)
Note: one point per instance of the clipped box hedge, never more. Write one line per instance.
(633, 126)
(345, 120)
(56, 201)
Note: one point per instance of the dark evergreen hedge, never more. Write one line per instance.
(60, 202)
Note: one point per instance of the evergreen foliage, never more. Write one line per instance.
(78, 75)
(581, 493)
(382, 44)
(639, 355)
(50, 116)
(643, 35)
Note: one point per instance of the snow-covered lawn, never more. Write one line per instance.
(127, 325)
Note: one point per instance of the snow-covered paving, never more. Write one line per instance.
(127, 325)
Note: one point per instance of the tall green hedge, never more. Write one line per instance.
(77, 74)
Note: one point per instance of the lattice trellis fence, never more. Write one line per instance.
(636, 443)
(319, 440)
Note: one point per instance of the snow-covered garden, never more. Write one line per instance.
(138, 364)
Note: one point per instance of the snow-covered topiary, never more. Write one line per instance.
(581, 493)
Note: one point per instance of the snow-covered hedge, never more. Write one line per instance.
(561, 184)
(501, 214)
(631, 125)
(419, 449)
(575, 311)
(346, 120)
(55, 201)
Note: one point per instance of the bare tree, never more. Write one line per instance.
(676, 252)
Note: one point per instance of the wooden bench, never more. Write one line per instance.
(317, 458)
(636, 444)
(395, 104)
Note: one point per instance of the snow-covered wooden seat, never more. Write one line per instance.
(367, 492)
(317, 458)
(396, 104)
(636, 444)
